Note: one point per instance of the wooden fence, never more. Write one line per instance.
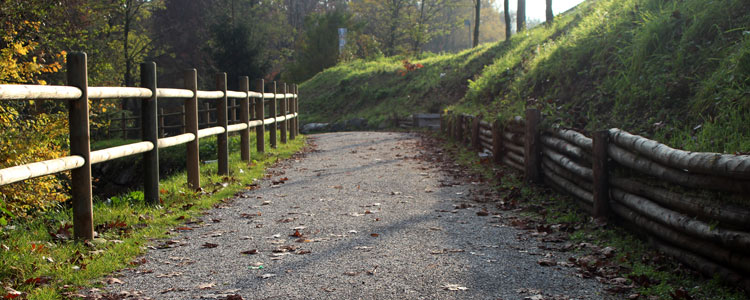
(173, 121)
(667, 194)
(431, 121)
(77, 93)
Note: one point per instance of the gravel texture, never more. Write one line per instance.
(376, 222)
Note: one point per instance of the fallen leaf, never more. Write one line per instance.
(11, 293)
(209, 245)
(547, 262)
(296, 234)
(454, 287)
(254, 251)
(206, 286)
(37, 281)
(374, 235)
(113, 280)
(169, 275)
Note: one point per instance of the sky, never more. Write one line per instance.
(535, 9)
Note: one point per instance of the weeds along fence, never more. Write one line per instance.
(77, 94)
(685, 203)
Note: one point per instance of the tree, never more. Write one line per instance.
(507, 19)
(550, 15)
(521, 18)
(477, 19)
(237, 52)
(135, 40)
(405, 26)
(320, 47)
(429, 21)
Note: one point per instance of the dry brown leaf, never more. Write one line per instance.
(206, 286)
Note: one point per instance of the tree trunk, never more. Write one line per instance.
(550, 15)
(725, 213)
(126, 49)
(700, 162)
(507, 20)
(704, 248)
(568, 164)
(735, 239)
(644, 165)
(585, 184)
(567, 148)
(708, 268)
(477, 18)
(574, 137)
(585, 196)
(521, 16)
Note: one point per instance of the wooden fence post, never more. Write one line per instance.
(233, 112)
(78, 125)
(109, 125)
(150, 133)
(296, 109)
(497, 141)
(191, 126)
(283, 113)
(182, 119)
(161, 122)
(475, 135)
(222, 139)
(123, 125)
(274, 112)
(292, 110)
(207, 110)
(245, 119)
(601, 175)
(459, 128)
(260, 134)
(532, 147)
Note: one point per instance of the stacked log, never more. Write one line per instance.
(676, 209)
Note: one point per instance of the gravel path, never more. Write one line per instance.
(373, 221)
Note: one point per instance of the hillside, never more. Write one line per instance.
(677, 71)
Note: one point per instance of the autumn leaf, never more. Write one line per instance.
(209, 245)
(206, 286)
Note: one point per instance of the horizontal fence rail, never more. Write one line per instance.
(668, 194)
(78, 93)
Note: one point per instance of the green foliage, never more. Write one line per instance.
(27, 140)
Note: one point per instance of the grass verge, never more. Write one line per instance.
(40, 260)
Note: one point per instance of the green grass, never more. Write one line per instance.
(633, 254)
(125, 225)
(677, 71)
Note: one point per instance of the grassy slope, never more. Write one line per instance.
(678, 71)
